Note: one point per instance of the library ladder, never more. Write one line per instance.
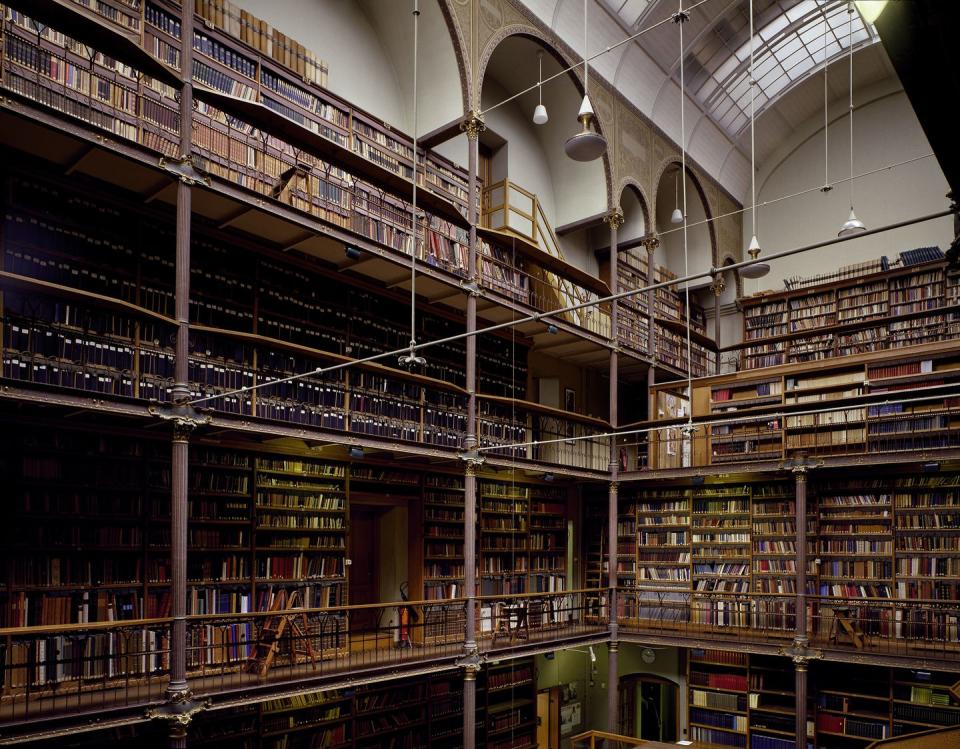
(268, 644)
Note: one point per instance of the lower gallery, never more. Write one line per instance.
(514, 374)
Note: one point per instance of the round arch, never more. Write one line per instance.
(634, 190)
(574, 76)
(702, 234)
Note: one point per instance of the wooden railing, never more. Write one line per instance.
(514, 211)
(938, 737)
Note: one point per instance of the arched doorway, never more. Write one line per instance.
(649, 707)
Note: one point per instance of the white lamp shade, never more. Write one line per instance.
(853, 225)
(585, 107)
(676, 217)
(540, 115)
(756, 270)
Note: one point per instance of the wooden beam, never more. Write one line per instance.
(585, 223)
(441, 134)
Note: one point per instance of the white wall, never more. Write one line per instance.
(526, 160)
(886, 131)
(670, 254)
(367, 46)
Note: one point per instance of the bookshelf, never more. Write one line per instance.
(718, 698)
(633, 314)
(741, 700)
(90, 309)
(884, 535)
(887, 306)
(827, 408)
(511, 709)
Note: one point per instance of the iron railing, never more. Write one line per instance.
(75, 669)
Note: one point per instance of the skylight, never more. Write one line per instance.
(789, 40)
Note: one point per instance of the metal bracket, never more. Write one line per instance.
(680, 16)
(185, 170)
(184, 417)
(178, 712)
(800, 654)
(471, 458)
(800, 464)
(688, 429)
(471, 287)
(472, 661)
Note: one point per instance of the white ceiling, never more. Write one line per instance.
(788, 61)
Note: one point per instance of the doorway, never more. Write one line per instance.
(548, 718)
(648, 707)
(365, 565)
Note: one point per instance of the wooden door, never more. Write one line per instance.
(365, 564)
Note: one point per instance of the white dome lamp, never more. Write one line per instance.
(540, 115)
(852, 225)
(756, 269)
(588, 144)
(677, 216)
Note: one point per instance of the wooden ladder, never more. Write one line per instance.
(267, 646)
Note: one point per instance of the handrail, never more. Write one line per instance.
(543, 594)
(908, 740)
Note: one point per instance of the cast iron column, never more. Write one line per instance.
(718, 286)
(177, 690)
(472, 126)
(615, 221)
(801, 639)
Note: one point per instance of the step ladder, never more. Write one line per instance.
(288, 618)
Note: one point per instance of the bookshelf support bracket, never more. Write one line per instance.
(184, 170)
(472, 288)
(471, 663)
(472, 458)
(179, 711)
(181, 415)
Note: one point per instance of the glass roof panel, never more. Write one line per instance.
(788, 46)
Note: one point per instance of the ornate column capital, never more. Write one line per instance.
(651, 243)
(472, 460)
(473, 125)
(800, 465)
(614, 219)
(718, 284)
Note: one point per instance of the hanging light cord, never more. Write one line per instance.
(850, 44)
(753, 151)
(412, 357)
(681, 18)
(826, 122)
(586, 64)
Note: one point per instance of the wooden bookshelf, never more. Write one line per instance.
(882, 535)
(741, 700)
(823, 408)
(112, 336)
(887, 307)
(511, 706)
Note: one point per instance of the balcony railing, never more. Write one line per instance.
(76, 669)
(875, 626)
(509, 208)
